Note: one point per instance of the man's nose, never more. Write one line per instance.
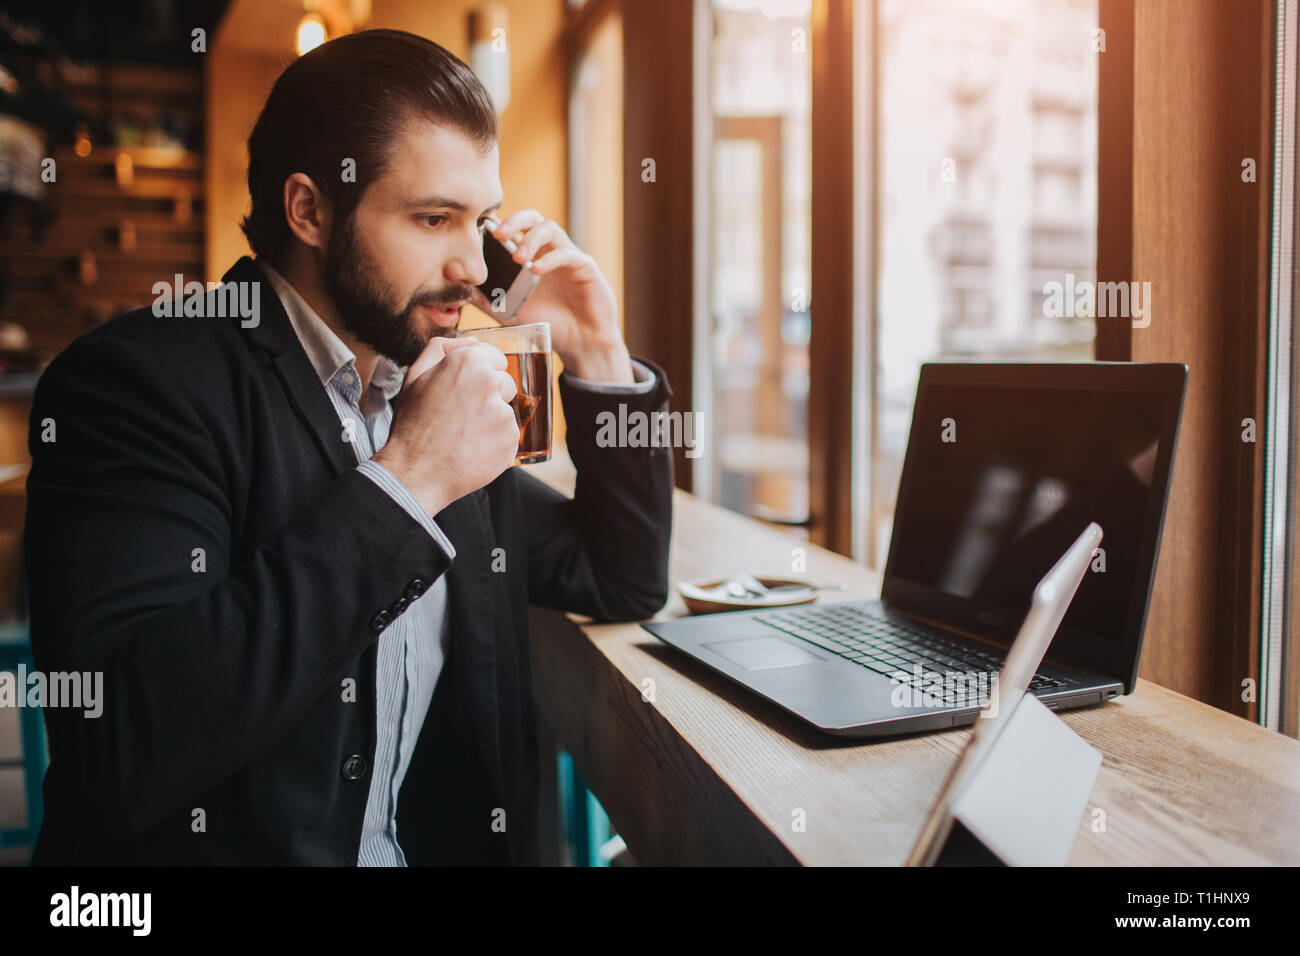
(467, 266)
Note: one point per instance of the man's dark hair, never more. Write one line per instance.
(348, 99)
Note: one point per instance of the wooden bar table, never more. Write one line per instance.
(693, 769)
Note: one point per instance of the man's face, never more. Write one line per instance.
(401, 267)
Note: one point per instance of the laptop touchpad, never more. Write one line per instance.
(762, 653)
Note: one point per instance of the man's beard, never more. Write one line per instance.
(366, 311)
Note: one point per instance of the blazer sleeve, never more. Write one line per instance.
(603, 553)
(131, 500)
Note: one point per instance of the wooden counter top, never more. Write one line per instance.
(708, 773)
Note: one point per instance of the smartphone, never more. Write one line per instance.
(508, 282)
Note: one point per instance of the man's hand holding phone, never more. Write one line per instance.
(454, 430)
(571, 295)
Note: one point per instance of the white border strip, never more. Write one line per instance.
(704, 467)
(863, 408)
(1277, 436)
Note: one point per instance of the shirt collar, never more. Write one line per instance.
(325, 350)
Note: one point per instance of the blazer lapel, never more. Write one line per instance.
(275, 336)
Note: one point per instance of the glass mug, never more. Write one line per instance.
(528, 360)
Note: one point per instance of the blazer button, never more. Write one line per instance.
(417, 587)
(400, 605)
(354, 768)
(380, 620)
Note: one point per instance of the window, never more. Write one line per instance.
(596, 148)
(758, 242)
(990, 199)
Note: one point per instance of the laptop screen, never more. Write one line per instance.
(1001, 477)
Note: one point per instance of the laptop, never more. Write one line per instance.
(1005, 463)
(1051, 599)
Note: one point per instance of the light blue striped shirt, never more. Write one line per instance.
(409, 662)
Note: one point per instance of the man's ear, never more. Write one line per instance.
(305, 211)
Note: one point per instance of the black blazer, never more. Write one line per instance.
(197, 531)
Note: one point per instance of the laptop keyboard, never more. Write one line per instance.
(892, 647)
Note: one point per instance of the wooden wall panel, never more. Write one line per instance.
(1201, 104)
(830, 409)
(158, 209)
(658, 123)
(1115, 169)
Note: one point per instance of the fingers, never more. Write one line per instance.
(469, 356)
(541, 238)
(475, 351)
(495, 358)
(463, 340)
(517, 222)
(434, 352)
(506, 387)
(560, 259)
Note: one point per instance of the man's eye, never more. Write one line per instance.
(435, 220)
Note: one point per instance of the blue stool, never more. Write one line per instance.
(15, 649)
(587, 829)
